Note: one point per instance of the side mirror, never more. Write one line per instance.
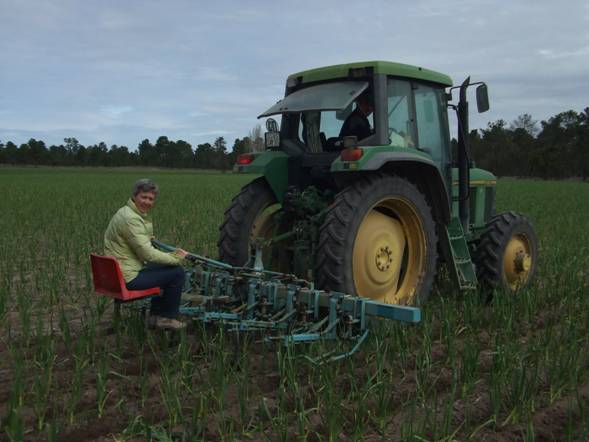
(482, 98)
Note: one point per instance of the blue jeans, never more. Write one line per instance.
(168, 278)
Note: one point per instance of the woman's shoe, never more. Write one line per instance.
(164, 323)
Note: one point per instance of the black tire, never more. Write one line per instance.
(337, 240)
(240, 217)
(506, 233)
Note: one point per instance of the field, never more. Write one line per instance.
(517, 369)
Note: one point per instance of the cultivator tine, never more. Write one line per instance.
(288, 309)
(333, 357)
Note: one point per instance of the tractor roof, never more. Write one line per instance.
(379, 67)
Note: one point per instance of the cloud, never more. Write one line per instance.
(556, 55)
(210, 132)
(214, 74)
(114, 111)
(197, 114)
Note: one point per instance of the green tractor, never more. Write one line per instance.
(375, 216)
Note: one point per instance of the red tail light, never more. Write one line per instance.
(245, 159)
(351, 154)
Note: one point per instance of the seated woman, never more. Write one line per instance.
(128, 238)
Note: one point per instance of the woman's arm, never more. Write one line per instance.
(136, 236)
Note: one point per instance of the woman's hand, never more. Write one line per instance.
(181, 253)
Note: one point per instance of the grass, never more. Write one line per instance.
(518, 368)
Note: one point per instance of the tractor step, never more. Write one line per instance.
(462, 269)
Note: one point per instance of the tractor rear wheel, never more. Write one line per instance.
(248, 217)
(379, 241)
(506, 256)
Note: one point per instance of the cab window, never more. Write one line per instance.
(319, 129)
(401, 127)
(430, 111)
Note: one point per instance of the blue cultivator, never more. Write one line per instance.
(286, 308)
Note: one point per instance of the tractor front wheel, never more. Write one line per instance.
(506, 256)
(378, 241)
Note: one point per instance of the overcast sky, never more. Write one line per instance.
(122, 71)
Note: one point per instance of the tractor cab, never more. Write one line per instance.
(408, 113)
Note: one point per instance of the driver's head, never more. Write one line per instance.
(364, 102)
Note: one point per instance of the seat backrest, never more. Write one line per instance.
(107, 275)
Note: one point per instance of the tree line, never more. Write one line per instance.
(164, 153)
(557, 148)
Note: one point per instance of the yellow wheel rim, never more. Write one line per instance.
(263, 227)
(390, 253)
(517, 261)
(263, 224)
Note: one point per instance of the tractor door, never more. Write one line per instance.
(402, 131)
(432, 125)
(417, 118)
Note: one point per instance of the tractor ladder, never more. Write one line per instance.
(462, 267)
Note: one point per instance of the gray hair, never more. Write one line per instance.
(144, 185)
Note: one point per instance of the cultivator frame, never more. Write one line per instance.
(286, 308)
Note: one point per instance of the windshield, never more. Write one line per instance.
(328, 96)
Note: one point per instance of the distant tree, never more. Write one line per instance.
(558, 144)
(147, 153)
(38, 152)
(255, 139)
(239, 147)
(526, 146)
(11, 153)
(96, 155)
(185, 155)
(58, 156)
(526, 123)
(71, 144)
(119, 156)
(173, 154)
(220, 154)
(23, 155)
(76, 151)
(164, 150)
(80, 156)
(497, 139)
(204, 156)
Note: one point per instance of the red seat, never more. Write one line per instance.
(108, 280)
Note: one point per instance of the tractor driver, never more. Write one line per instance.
(128, 238)
(357, 123)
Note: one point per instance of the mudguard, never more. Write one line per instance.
(404, 161)
(273, 164)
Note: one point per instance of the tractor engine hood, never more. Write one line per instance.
(323, 97)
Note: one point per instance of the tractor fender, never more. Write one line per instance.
(420, 170)
(273, 165)
(378, 159)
